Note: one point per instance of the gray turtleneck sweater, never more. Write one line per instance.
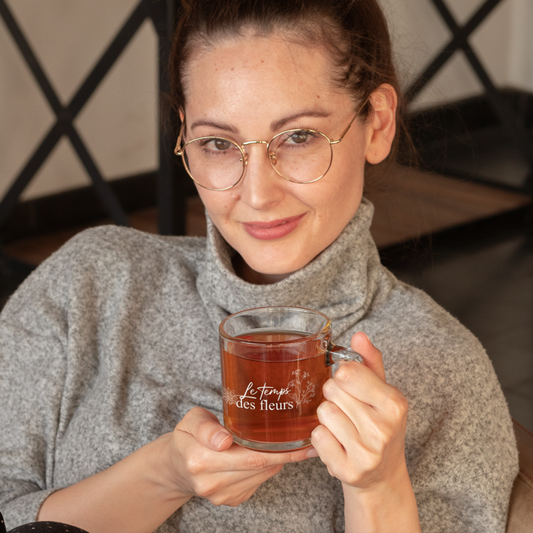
(114, 338)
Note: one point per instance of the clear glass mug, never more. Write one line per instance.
(275, 361)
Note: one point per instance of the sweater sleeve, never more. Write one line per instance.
(33, 336)
(460, 446)
(65, 349)
(466, 465)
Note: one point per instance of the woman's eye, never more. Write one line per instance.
(222, 144)
(299, 137)
(215, 144)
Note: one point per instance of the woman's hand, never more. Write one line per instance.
(206, 462)
(361, 439)
(361, 436)
(137, 494)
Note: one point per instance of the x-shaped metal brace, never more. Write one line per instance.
(514, 128)
(162, 15)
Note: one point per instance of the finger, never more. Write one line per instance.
(364, 416)
(203, 471)
(364, 397)
(206, 478)
(372, 357)
(378, 421)
(234, 459)
(340, 425)
(206, 429)
(246, 459)
(356, 438)
(330, 451)
(353, 381)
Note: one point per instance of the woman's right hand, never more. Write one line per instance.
(137, 494)
(206, 463)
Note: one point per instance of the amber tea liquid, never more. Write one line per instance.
(272, 387)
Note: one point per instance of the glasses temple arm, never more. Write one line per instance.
(351, 122)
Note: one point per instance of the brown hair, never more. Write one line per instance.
(354, 32)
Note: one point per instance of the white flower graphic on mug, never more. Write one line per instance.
(229, 396)
(302, 393)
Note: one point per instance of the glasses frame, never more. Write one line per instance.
(271, 155)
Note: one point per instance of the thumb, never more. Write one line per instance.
(206, 429)
(372, 357)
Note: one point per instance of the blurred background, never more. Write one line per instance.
(76, 151)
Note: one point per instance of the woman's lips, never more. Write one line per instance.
(275, 229)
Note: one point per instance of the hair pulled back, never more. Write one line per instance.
(353, 32)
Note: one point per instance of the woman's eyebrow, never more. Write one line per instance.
(278, 124)
(274, 126)
(213, 124)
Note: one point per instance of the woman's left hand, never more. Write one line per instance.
(361, 436)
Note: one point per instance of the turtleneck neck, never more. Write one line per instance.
(340, 281)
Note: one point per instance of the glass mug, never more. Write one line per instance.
(275, 361)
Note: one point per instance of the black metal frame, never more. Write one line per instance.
(170, 203)
(459, 41)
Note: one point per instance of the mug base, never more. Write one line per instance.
(273, 446)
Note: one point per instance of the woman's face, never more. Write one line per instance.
(251, 88)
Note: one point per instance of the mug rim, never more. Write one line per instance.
(323, 331)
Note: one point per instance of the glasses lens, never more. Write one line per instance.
(214, 162)
(301, 155)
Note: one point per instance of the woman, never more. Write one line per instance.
(114, 339)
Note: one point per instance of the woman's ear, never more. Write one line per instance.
(382, 125)
(182, 115)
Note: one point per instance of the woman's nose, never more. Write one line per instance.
(261, 187)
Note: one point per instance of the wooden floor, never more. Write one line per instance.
(419, 203)
(409, 204)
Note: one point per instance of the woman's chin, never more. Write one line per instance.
(264, 276)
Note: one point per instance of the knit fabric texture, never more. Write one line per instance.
(112, 340)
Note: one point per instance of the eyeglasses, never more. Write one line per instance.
(300, 156)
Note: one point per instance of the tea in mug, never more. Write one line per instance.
(273, 386)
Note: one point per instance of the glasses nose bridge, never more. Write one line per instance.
(254, 142)
(247, 143)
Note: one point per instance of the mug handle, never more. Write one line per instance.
(336, 354)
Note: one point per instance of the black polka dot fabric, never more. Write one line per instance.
(41, 527)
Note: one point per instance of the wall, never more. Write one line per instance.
(502, 44)
(119, 122)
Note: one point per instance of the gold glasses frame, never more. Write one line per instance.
(271, 154)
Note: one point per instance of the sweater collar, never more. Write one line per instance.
(340, 281)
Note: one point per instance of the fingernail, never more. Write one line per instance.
(219, 438)
(367, 337)
(311, 453)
